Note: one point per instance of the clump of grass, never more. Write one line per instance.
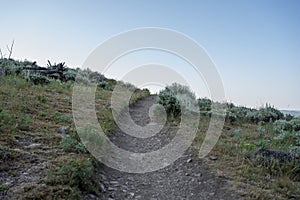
(12, 122)
(3, 187)
(41, 98)
(52, 192)
(72, 143)
(78, 173)
(64, 118)
(107, 122)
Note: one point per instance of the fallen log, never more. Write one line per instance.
(56, 71)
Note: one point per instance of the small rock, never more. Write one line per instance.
(111, 189)
(187, 174)
(114, 182)
(64, 130)
(5, 155)
(211, 194)
(90, 196)
(131, 194)
(102, 188)
(33, 146)
(189, 160)
(198, 175)
(130, 179)
(2, 72)
(213, 157)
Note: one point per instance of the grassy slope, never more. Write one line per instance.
(38, 163)
(252, 181)
(35, 163)
(245, 131)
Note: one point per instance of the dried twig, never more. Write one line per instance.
(49, 63)
(1, 54)
(10, 50)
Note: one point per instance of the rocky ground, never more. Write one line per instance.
(187, 178)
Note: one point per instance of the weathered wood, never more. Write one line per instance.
(53, 71)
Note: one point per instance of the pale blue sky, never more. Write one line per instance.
(254, 44)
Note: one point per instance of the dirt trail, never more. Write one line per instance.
(187, 178)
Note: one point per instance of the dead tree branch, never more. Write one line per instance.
(49, 63)
(10, 50)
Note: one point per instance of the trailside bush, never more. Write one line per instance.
(177, 97)
(204, 105)
(269, 113)
(295, 122)
(282, 125)
(288, 132)
(72, 143)
(231, 117)
(169, 101)
(10, 66)
(78, 173)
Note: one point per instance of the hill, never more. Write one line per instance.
(42, 156)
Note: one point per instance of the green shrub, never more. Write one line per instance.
(204, 105)
(88, 77)
(62, 117)
(93, 140)
(11, 122)
(107, 122)
(231, 117)
(282, 125)
(10, 66)
(78, 173)
(70, 74)
(237, 133)
(295, 122)
(72, 143)
(269, 113)
(261, 131)
(37, 78)
(168, 100)
(41, 98)
(263, 144)
(177, 98)
(3, 187)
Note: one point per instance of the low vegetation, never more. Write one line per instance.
(41, 154)
(259, 149)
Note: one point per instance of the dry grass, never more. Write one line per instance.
(34, 114)
(251, 180)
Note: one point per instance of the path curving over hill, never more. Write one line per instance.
(187, 178)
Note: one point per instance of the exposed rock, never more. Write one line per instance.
(64, 130)
(268, 154)
(33, 146)
(102, 188)
(111, 189)
(114, 182)
(213, 158)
